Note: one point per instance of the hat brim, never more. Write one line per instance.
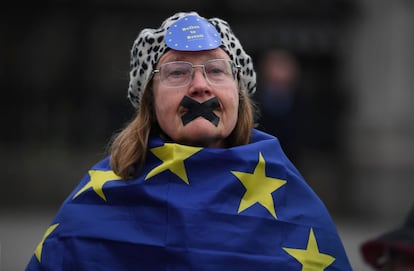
(401, 240)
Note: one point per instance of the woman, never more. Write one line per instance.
(189, 184)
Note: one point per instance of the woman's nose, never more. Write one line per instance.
(199, 83)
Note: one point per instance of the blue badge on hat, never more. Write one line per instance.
(192, 33)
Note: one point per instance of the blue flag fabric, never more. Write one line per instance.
(241, 208)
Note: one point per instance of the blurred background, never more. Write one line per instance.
(339, 71)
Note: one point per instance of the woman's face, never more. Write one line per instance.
(199, 131)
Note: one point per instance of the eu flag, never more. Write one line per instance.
(241, 208)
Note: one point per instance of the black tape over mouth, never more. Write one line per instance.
(196, 109)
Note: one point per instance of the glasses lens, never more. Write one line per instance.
(219, 71)
(176, 74)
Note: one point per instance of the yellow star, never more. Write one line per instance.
(259, 187)
(97, 181)
(310, 258)
(39, 248)
(172, 157)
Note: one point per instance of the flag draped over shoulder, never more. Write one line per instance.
(241, 208)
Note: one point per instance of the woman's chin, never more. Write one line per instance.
(201, 132)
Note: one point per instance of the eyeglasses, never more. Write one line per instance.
(180, 73)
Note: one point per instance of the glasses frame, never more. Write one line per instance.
(235, 69)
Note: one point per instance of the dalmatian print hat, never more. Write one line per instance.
(185, 31)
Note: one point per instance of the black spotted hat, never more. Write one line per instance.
(185, 31)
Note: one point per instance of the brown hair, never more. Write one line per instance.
(128, 148)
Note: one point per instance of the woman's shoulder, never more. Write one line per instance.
(103, 164)
(261, 136)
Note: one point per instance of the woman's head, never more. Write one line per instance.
(191, 81)
(189, 38)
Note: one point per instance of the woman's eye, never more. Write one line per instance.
(216, 70)
(177, 73)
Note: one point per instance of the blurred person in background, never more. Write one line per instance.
(393, 250)
(189, 183)
(278, 101)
